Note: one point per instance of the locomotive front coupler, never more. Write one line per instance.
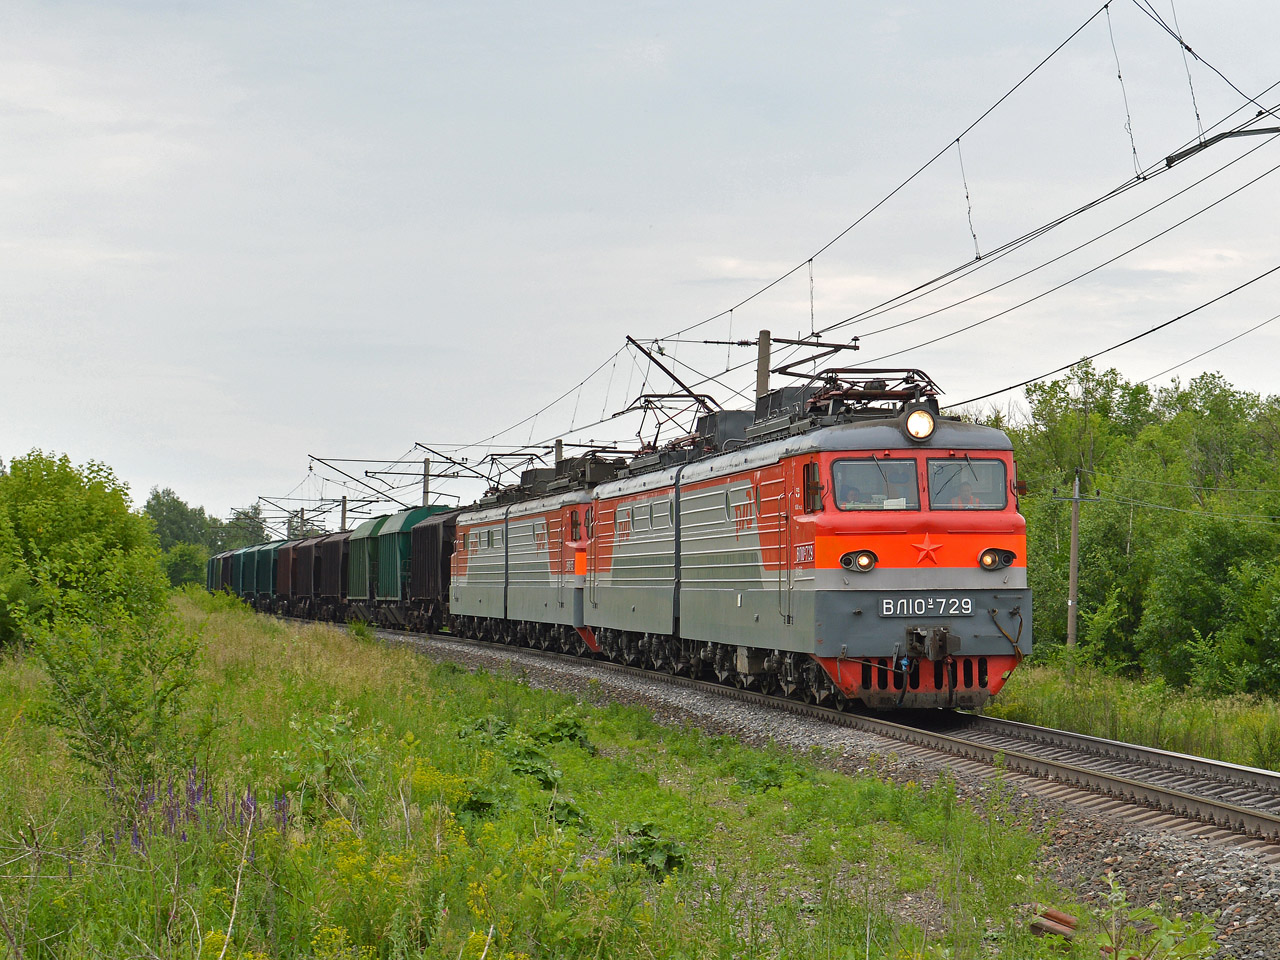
(933, 644)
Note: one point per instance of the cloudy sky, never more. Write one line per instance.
(236, 234)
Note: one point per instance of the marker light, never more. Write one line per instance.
(920, 424)
(863, 561)
(993, 559)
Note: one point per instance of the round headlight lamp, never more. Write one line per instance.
(864, 561)
(920, 424)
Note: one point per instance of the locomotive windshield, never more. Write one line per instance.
(967, 484)
(875, 484)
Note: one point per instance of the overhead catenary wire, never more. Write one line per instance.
(969, 267)
(532, 419)
(1031, 235)
(903, 184)
(1146, 7)
(1056, 287)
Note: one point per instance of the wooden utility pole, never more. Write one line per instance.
(1073, 574)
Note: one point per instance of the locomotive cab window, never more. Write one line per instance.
(875, 484)
(967, 484)
(575, 529)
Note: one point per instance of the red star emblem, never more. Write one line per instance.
(927, 550)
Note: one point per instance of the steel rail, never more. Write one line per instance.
(1232, 773)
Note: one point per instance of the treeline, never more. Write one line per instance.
(1179, 544)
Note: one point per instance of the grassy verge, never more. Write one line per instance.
(355, 801)
(1237, 729)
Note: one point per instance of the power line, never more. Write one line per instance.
(1210, 350)
(1238, 517)
(1186, 486)
(1122, 343)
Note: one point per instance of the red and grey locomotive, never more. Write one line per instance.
(842, 541)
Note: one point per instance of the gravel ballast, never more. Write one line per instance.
(1181, 872)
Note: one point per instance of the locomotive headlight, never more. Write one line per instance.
(863, 561)
(993, 559)
(920, 424)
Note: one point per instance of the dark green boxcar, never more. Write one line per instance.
(394, 551)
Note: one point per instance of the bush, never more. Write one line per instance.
(119, 667)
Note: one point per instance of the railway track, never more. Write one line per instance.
(1177, 791)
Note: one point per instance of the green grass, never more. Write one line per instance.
(1238, 729)
(354, 801)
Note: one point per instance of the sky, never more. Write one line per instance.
(237, 235)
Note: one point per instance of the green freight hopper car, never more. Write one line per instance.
(237, 566)
(260, 558)
(265, 581)
(362, 566)
(248, 572)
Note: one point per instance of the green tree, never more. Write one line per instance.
(1178, 553)
(175, 521)
(60, 527)
(185, 563)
